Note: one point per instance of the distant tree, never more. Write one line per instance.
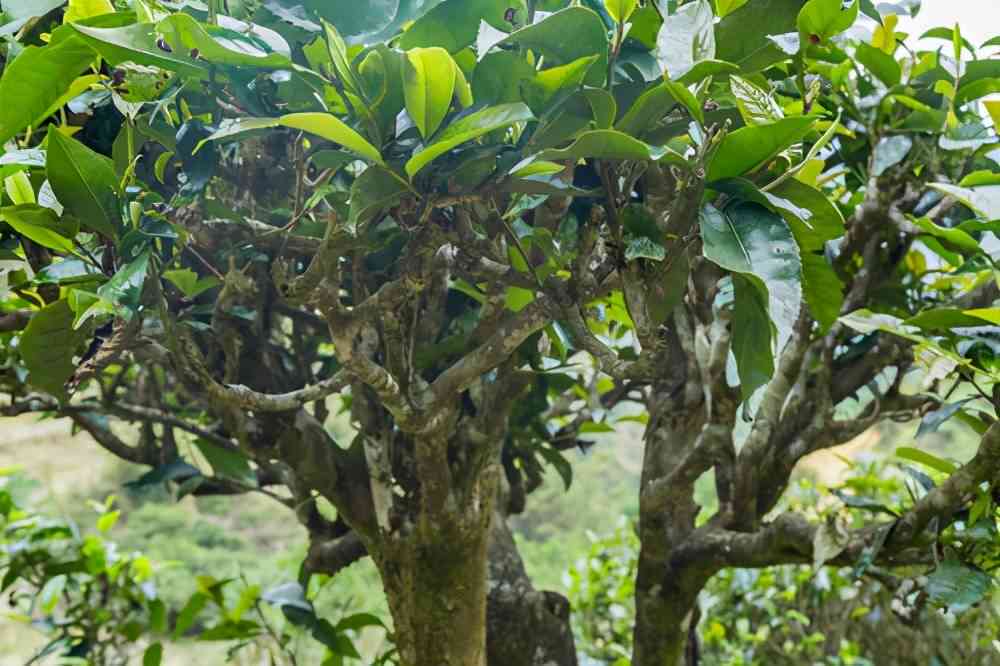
(484, 225)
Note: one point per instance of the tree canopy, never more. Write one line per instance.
(488, 230)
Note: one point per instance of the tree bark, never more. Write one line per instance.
(525, 626)
(437, 596)
(667, 585)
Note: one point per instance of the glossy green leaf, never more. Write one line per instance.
(468, 128)
(748, 148)
(926, 459)
(879, 63)
(822, 289)
(757, 106)
(743, 35)
(138, 43)
(565, 36)
(41, 225)
(958, 586)
(822, 19)
(18, 188)
(125, 287)
(649, 108)
(337, 50)
(77, 10)
(48, 346)
(621, 10)
(373, 191)
(324, 125)
(223, 46)
(753, 335)
(933, 420)
(826, 222)
(228, 464)
(890, 151)
(983, 200)
(454, 24)
(332, 128)
(952, 238)
(606, 144)
(724, 7)
(428, 86)
(37, 79)
(751, 240)
(84, 182)
(548, 82)
(685, 38)
(190, 284)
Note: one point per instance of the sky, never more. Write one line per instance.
(978, 20)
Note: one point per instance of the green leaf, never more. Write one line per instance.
(890, 151)
(48, 346)
(83, 9)
(642, 247)
(108, 520)
(337, 50)
(955, 239)
(879, 63)
(826, 222)
(565, 36)
(958, 586)
(686, 37)
(724, 7)
(84, 182)
(37, 79)
(324, 125)
(331, 128)
(49, 595)
(822, 19)
(468, 128)
(944, 318)
(137, 43)
(648, 109)
(822, 289)
(18, 188)
(742, 36)
(228, 464)
(41, 225)
(189, 283)
(428, 87)
(983, 200)
(288, 595)
(756, 106)
(607, 144)
(153, 656)
(190, 612)
(621, 10)
(454, 24)
(372, 192)
(124, 288)
(935, 419)
(926, 459)
(753, 336)
(748, 148)
(562, 466)
(749, 239)
(222, 47)
(547, 83)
